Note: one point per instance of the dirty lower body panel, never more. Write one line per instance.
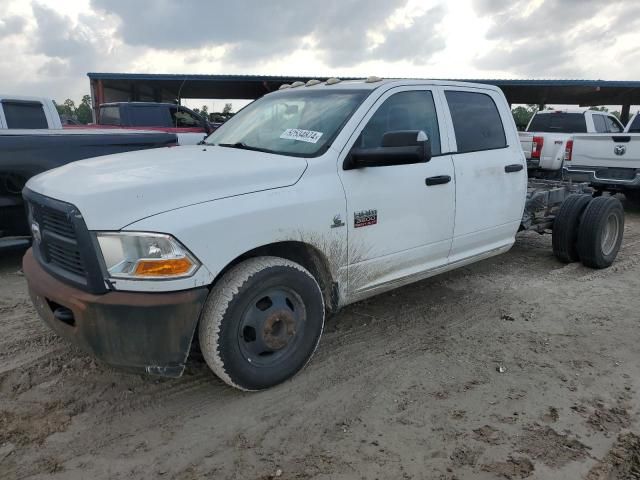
(145, 331)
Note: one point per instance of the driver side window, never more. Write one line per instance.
(412, 110)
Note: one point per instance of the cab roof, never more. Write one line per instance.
(368, 84)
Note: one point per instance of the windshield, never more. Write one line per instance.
(298, 123)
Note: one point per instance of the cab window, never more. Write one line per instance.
(600, 124)
(411, 110)
(476, 121)
(182, 118)
(24, 114)
(613, 125)
(110, 115)
(149, 116)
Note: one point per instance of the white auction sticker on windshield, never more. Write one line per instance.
(308, 136)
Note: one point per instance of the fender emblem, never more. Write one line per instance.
(337, 221)
(365, 218)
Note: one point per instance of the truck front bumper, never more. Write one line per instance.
(151, 332)
(615, 178)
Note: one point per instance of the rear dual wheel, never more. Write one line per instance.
(600, 232)
(565, 228)
(261, 323)
(589, 230)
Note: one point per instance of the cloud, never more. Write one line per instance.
(12, 25)
(551, 37)
(417, 42)
(57, 37)
(261, 31)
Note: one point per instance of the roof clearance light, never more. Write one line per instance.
(312, 82)
(333, 81)
(284, 86)
(373, 79)
(297, 84)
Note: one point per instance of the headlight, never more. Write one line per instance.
(139, 255)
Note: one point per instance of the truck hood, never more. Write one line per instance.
(114, 191)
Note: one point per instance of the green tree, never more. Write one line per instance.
(226, 111)
(522, 115)
(68, 108)
(204, 111)
(599, 109)
(84, 113)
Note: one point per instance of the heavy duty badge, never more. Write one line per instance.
(365, 218)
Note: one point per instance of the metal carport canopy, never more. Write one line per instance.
(570, 92)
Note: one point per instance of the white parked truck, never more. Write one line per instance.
(544, 141)
(607, 162)
(26, 113)
(309, 199)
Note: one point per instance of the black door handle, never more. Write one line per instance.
(437, 180)
(515, 167)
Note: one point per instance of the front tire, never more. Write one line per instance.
(261, 323)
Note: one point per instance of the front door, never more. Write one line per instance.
(398, 225)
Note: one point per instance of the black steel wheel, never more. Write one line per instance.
(261, 323)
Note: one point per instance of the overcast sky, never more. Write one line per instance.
(48, 46)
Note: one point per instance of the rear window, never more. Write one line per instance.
(558, 123)
(29, 115)
(110, 115)
(149, 116)
(476, 121)
(635, 125)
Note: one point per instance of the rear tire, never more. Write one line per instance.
(565, 228)
(601, 231)
(261, 323)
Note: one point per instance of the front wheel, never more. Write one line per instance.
(261, 323)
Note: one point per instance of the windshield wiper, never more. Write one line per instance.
(244, 146)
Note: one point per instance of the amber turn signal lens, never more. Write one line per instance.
(163, 267)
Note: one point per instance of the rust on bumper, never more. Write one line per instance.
(148, 331)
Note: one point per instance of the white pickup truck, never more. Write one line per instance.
(607, 162)
(309, 199)
(22, 113)
(544, 141)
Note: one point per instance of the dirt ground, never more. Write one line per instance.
(405, 385)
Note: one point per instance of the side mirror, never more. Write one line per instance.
(402, 147)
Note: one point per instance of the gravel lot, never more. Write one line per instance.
(405, 385)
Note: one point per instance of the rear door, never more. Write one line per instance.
(490, 171)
